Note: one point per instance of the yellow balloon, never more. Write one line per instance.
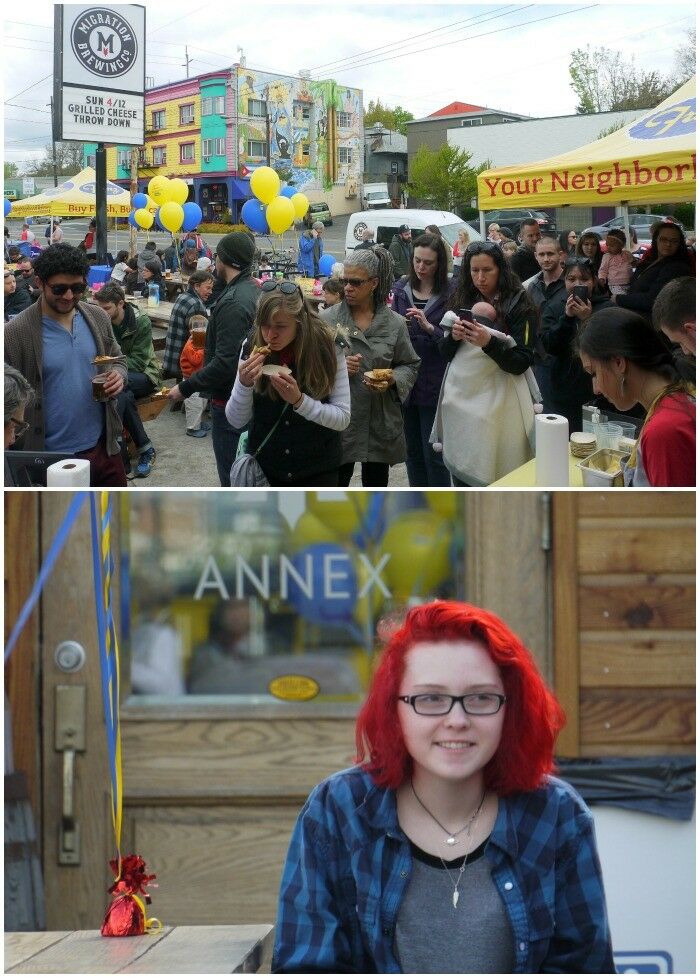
(443, 503)
(310, 529)
(172, 216)
(369, 606)
(419, 544)
(157, 187)
(342, 515)
(178, 191)
(144, 218)
(265, 184)
(280, 215)
(300, 202)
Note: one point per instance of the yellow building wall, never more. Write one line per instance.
(170, 137)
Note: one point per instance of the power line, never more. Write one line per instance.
(24, 23)
(473, 37)
(415, 37)
(12, 97)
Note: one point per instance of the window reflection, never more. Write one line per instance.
(224, 592)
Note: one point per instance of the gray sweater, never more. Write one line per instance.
(23, 350)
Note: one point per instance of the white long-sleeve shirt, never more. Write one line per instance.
(334, 414)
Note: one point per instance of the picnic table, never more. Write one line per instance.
(174, 950)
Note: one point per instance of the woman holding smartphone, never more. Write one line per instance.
(421, 297)
(569, 385)
(485, 417)
(450, 848)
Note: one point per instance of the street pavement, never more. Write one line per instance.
(182, 461)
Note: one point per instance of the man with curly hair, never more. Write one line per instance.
(53, 344)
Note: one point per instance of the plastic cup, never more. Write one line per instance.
(608, 434)
(98, 387)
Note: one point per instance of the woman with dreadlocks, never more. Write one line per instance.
(382, 365)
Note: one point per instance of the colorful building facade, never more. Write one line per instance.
(213, 130)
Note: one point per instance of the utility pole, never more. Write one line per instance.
(134, 160)
(53, 147)
(267, 130)
(186, 65)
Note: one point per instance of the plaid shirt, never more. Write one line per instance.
(349, 864)
(178, 333)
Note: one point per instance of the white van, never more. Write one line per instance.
(375, 196)
(386, 223)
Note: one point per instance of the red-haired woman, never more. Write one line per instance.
(450, 848)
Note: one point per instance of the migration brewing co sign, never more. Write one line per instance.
(100, 73)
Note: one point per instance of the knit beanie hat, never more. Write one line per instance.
(154, 267)
(236, 249)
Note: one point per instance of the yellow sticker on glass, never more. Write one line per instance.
(296, 688)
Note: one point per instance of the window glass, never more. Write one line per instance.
(224, 593)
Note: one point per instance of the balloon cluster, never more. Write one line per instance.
(274, 209)
(166, 206)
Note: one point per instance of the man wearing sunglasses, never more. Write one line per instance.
(53, 344)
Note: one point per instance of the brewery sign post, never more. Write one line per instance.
(99, 84)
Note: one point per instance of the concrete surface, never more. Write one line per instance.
(184, 462)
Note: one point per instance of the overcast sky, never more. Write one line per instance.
(421, 56)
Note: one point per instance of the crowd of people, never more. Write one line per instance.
(407, 359)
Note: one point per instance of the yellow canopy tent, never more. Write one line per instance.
(74, 197)
(651, 160)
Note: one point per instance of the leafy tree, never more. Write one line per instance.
(604, 82)
(9, 170)
(394, 119)
(443, 177)
(685, 59)
(69, 161)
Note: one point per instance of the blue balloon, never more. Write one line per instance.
(7, 206)
(132, 221)
(288, 192)
(253, 216)
(193, 216)
(330, 588)
(326, 263)
(138, 201)
(157, 222)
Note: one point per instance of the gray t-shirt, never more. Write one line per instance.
(434, 937)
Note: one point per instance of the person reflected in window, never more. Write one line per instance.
(215, 663)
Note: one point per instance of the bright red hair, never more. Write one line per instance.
(533, 716)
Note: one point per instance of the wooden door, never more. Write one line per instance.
(211, 792)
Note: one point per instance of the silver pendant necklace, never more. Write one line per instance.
(452, 839)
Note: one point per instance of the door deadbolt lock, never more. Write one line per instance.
(69, 656)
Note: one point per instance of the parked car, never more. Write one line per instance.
(318, 212)
(512, 219)
(642, 224)
(386, 223)
(375, 196)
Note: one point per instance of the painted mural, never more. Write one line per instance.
(315, 128)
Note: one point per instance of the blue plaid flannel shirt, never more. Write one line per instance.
(349, 864)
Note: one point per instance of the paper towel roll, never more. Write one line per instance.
(551, 450)
(70, 472)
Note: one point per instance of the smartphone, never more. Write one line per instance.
(580, 292)
(466, 314)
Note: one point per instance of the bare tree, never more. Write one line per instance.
(604, 82)
(69, 161)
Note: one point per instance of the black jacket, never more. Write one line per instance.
(524, 263)
(231, 320)
(520, 321)
(569, 387)
(17, 302)
(298, 448)
(648, 281)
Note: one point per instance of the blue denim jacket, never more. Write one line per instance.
(349, 864)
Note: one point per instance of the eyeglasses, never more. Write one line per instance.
(19, 426)
(285, 287)
(440, 704)
(76, 288)
(477, 247)
(355, 282)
